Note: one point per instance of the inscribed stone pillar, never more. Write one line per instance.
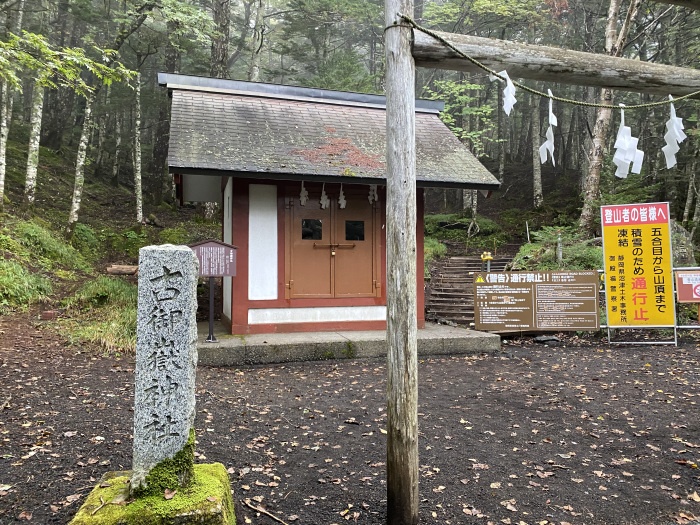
(166, 358)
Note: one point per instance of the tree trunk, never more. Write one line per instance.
(80, 168)
(502, 138)
(6, 109)
(220, 42)
(691, 193)
(402, 359)
(6, 102)
(613, 45)
(117, 149)
(137, 151)
(537, 197)
(34, 137)
(257, 42)
(102, 134)
(159, 158)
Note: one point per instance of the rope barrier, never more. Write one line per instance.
(450, 46)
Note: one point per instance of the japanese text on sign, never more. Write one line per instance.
(638, 265)
(506, 301)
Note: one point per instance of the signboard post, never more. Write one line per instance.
(216, 259)
(524, 301)
(638, 266)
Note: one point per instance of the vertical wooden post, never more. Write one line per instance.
(402, 361)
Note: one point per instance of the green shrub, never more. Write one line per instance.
(432, 249)
(104, 313)
(47, 248)
(127, 242)
(577, 253)
(19, 288)
(177, 235)
(86, 242)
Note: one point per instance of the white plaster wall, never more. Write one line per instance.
(201, 188)
(262, 242)
(316, 315)
(228, 215)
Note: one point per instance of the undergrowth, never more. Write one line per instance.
(577, 252)
(103, 311)
(19, 288)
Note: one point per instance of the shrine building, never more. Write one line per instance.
(300, 174)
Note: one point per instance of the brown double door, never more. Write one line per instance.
(332, 252)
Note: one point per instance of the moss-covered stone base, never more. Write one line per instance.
(206, 501)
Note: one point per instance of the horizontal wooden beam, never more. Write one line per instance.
(690, 4)
(551, 64)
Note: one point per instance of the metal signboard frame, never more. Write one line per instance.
(536, 301)
(638, 268)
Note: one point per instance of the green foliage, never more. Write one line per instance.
(454, 227)
(577, 253)
(432, 249)
(462, 107)
(177, 235)
(126, 242)
(86, 242)
(47, 248)
(19, 288)
(342, 71)
(104, 312)
(54, 67)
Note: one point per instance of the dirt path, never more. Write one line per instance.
(585, 435)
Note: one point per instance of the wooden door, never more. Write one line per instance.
(311, 264)
(355, 257)
(332, 252)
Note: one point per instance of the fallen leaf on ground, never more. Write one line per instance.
(509, 504)
(169, 494)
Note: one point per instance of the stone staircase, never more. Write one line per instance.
(449, 298)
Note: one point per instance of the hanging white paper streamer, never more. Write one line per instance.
(549, 143)
(324, 198)
(372, 193)
(674, 136)
(341, 198)
(303, 195)
(508, 91)
(626, 150)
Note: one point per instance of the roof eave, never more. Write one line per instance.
(259, 175)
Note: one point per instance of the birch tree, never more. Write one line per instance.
(137, 151)
(6, 100)
(257, 42)
(614, 45)
(537, 197)
(34, 136)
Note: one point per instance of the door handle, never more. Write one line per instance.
(333, 246)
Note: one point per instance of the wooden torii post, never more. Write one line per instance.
(402, 361)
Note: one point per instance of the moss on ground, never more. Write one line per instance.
(207, 501)
(170, 473)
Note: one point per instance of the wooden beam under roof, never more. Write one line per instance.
(690, 4)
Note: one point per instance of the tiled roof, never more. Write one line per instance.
(253, 134)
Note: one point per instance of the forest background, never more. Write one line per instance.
(79, 81)
(81, 77)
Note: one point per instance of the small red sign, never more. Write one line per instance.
(688, 286)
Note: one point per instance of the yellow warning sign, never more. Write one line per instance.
(638, 265)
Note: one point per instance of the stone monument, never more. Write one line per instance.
(166, 361)
(165, 486)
